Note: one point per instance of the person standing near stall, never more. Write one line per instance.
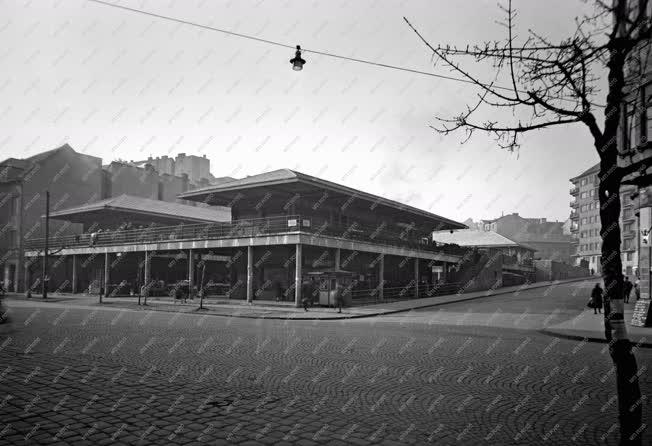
(339, 297)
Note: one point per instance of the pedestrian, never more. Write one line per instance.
(592, 271)
(627, 285)
(596, 299)
(306, 294)
(277, 290)
(637, 288)
(339, 297)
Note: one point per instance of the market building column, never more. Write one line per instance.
(381, 277)
(416, 277)
(191, 272)
(74, 274)
(297, 275)
(338, 256)
(106, 275)
(146, 275)
(250, 274)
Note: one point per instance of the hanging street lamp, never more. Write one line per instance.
(297, 62)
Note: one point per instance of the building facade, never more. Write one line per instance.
(546, 237)
(585, 223)
(635, 149)
(72, 179)
(195, 168)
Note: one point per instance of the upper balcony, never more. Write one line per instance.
(291, 224)
(574, 190)
(574, 215)
(574, 204)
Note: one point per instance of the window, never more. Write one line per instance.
(627, 227)
(584, 221)
(583, 181)
(629, 256)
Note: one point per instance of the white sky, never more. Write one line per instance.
(118, 85)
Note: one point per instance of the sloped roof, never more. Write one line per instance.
(481, 239)
(592, 169)
(27, 163)
(129, 203)
(286, 176)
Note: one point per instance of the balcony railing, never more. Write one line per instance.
(574, 215)
(574, 190)
(574, 204)
(243, 228)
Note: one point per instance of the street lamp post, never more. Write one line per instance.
(44, 278)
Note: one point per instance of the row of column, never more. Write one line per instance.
(298, 272)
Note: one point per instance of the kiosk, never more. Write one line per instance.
(327, 281)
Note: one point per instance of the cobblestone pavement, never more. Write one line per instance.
(104, 376)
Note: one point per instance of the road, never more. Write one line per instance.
(460, 374)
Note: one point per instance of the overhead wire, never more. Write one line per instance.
(305, 50)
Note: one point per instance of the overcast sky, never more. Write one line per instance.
(119, 85)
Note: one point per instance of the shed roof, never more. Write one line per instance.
(481, 239)
(158, 208)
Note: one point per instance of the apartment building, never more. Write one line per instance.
(585, 223)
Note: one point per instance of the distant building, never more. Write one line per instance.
(546, 237)
(75, 179)
(196, 168)
(513, 261)
(585, 223)
(71, 178)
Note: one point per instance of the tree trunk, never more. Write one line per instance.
(620, 349)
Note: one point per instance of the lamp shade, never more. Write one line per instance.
(297, 62)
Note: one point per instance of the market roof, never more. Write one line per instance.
(480, 239)
(155, 208)
(229, 192)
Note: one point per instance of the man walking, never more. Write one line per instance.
(627, 285)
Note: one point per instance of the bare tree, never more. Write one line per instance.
(553, 83)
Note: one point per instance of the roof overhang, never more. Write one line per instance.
(228, 194)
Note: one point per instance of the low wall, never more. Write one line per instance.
(551, 270)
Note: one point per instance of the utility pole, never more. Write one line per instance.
(44, 279)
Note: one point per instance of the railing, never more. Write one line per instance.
(242, 228)
(574, 204)
(574, 190)
(395, 294)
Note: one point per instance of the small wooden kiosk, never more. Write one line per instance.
(327, 280)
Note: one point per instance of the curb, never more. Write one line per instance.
(402, 310)
(574, 337)
(360, 316)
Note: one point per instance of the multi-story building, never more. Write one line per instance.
(546, 237)
(196, 168)
(72, 179)
(585, 223)
(635, 148)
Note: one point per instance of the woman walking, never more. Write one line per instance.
(596, 298)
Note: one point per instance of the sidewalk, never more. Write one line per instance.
(590, 328)
(282, 310)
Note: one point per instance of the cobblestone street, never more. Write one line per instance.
(110, 376)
